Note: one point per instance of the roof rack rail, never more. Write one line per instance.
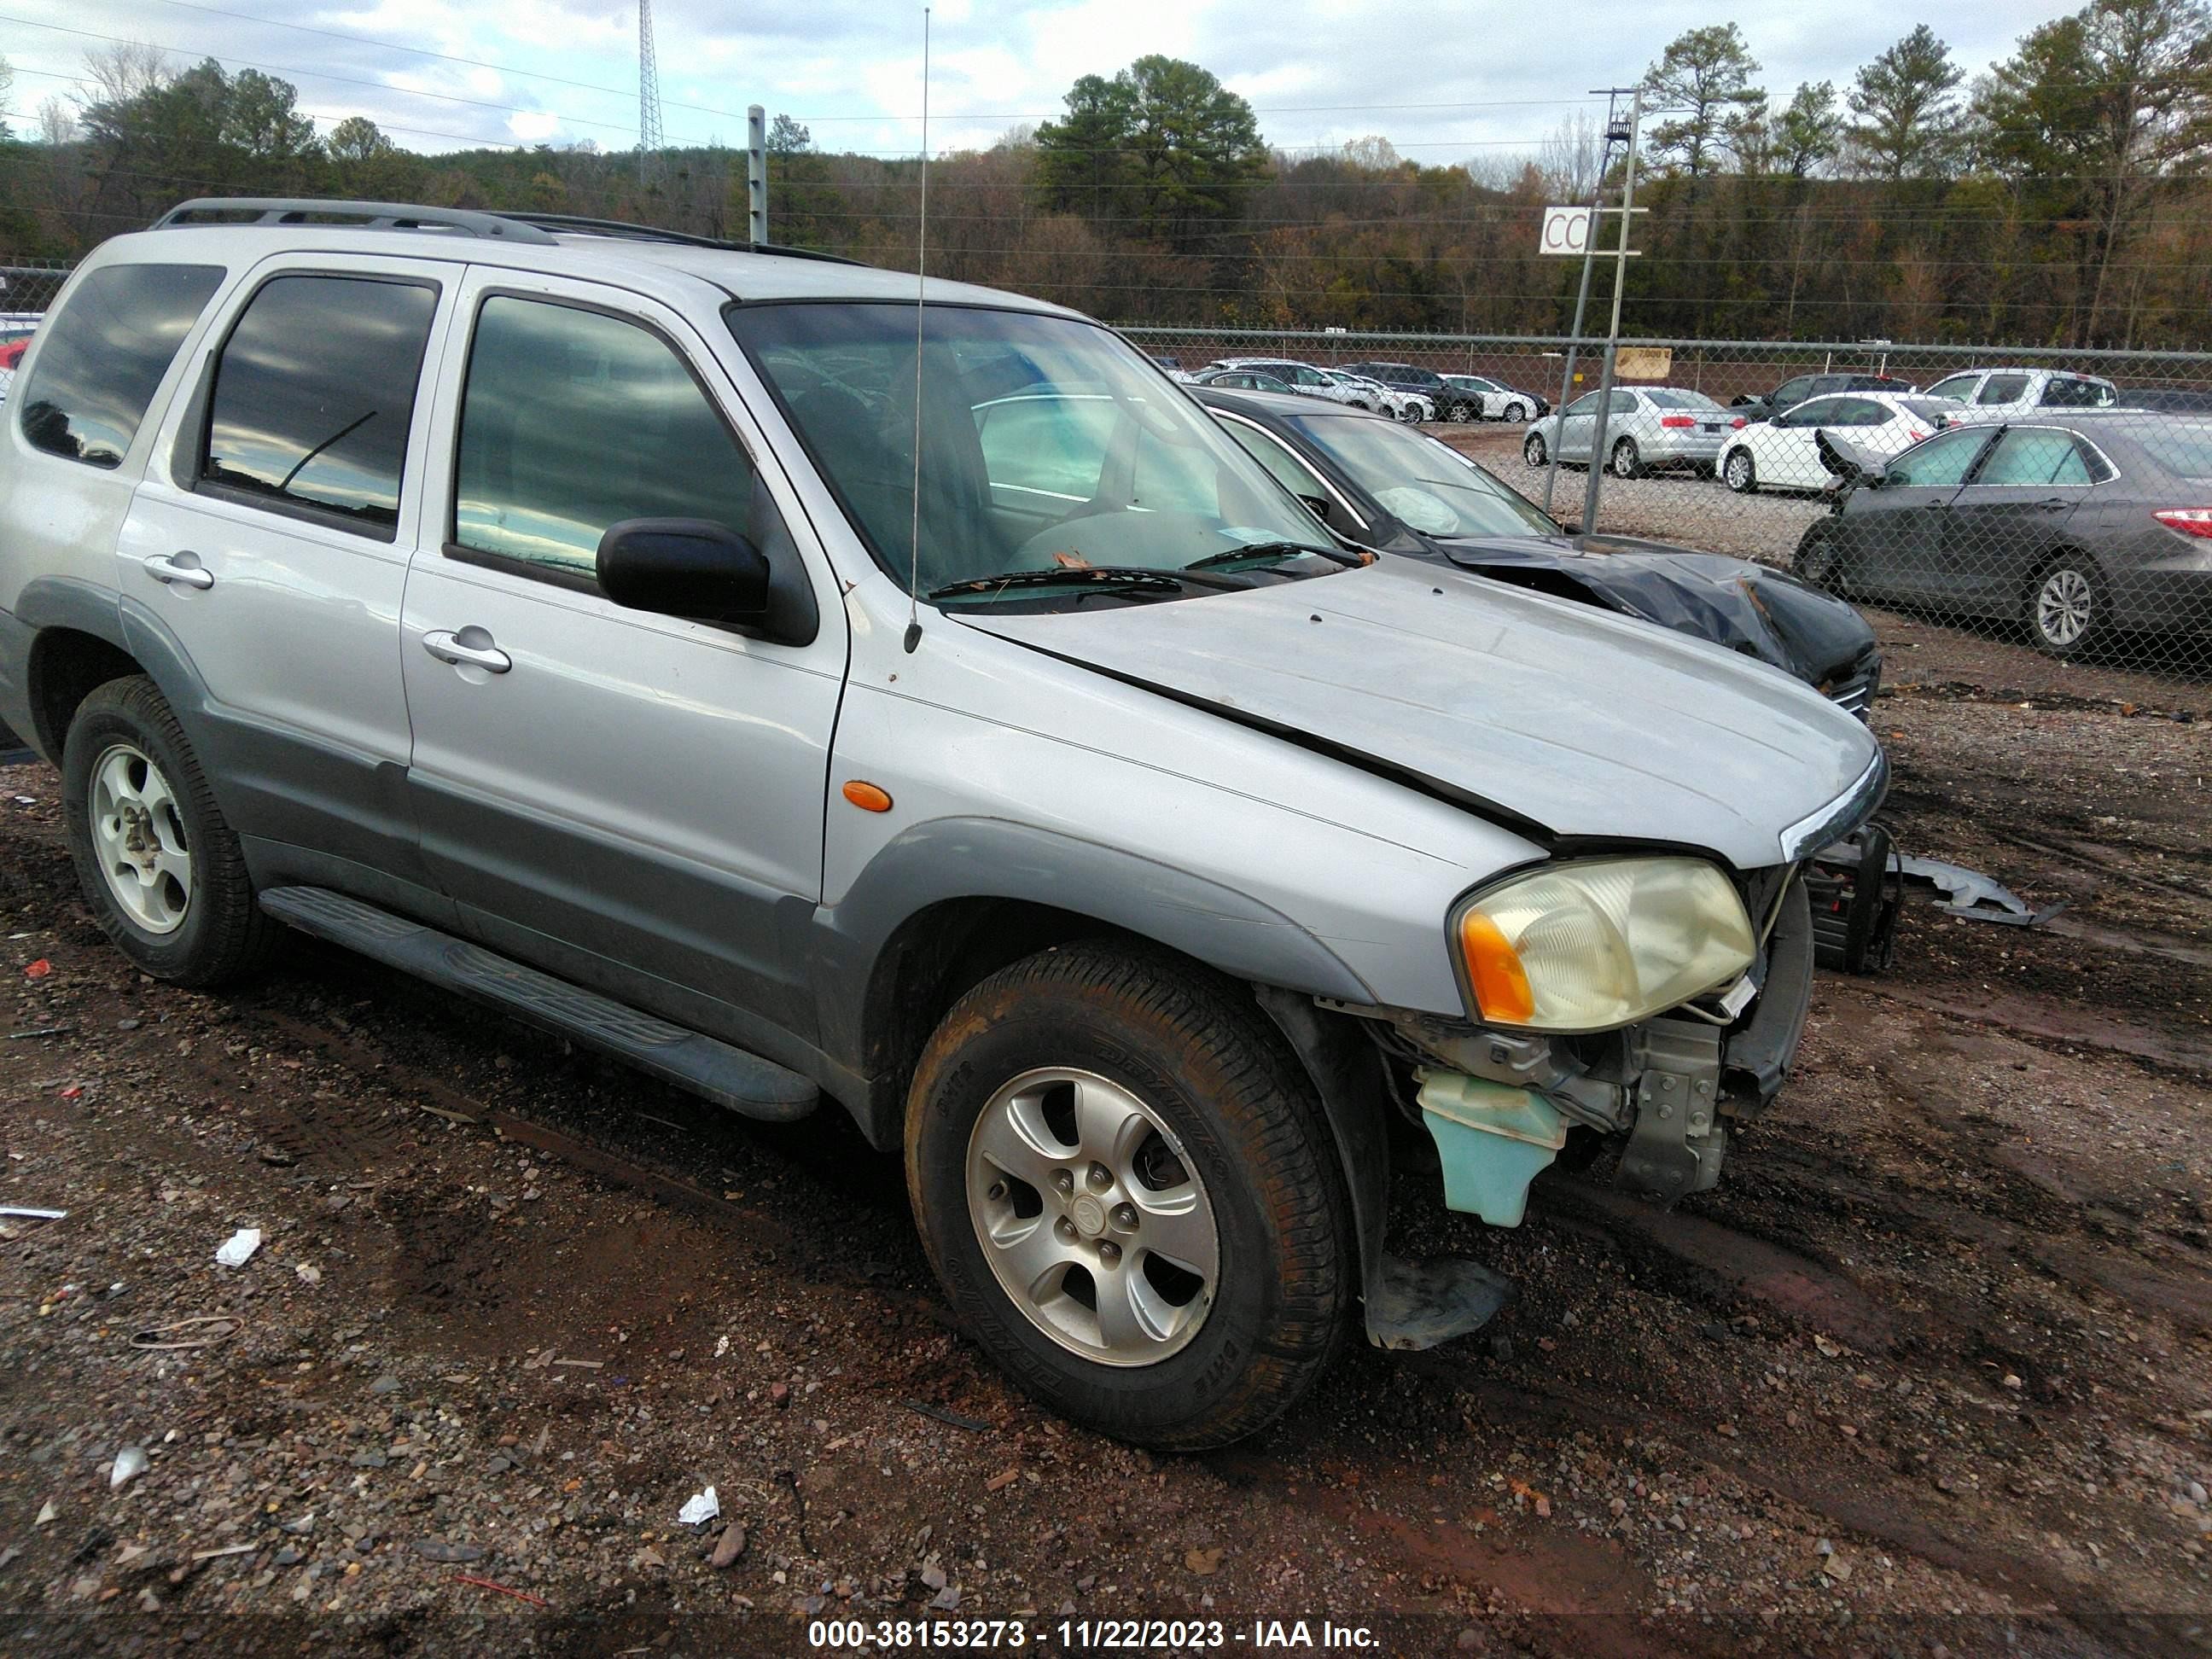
(364, 216)
(623, 228)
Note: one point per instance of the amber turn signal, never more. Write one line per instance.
(868, 797)
(1493, 967)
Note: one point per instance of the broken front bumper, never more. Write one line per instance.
(1499, 1104)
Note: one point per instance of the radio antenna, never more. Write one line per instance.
(921, 280)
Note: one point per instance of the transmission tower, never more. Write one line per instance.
(649, 139)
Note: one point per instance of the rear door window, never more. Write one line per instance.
(2065, 391)
(314, 395)
(2026, 456)
(105, 355)
(572, 420)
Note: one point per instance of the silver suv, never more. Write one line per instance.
(549, 609)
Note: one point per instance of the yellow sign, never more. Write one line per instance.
(1644, 363)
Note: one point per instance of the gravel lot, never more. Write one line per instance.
(1928, 1372)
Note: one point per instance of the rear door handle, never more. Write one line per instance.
(164, 568)
(478, 652)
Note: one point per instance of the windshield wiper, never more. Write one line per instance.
(1268, 552)
(1094, 576)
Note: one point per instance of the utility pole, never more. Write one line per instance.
(649, 139)
(1615, 133)
(1597, 456)
(756, 175)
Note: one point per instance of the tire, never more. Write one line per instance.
(1819, 560)
(1740, 472)
(161, 872)
(1411, 414)
(1464, 411)
(1533, 454)
(1146, 1042)
(2068, 606)
(1627, 463)
(1516, 413)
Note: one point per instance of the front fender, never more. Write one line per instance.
(947, 860)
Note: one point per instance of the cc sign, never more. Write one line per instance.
(1566, 230)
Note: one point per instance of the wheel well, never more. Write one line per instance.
(66, 666)
(939, 953)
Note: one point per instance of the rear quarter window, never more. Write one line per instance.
(104, 356)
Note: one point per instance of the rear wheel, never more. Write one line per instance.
(1739, 473)
(1463, 410)
(2068, 610)
(160, 871)
(1124, 1182)
(1626, 462)
(1533, 452)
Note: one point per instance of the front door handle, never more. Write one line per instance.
(477, 652)
(2054, 504)
(164, 568)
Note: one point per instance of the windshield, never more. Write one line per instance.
(1931, 408)
(1668, 397)
(1427, 485)
(1047, 443)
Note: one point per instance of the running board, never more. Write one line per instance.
(728, 1076)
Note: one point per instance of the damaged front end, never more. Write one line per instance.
(1500, 1103)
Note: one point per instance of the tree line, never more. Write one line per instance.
(2058, 198)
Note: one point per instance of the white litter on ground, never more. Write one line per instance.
(701, 1506)
(238, 1249)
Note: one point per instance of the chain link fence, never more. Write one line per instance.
(26, 291)
(2055, 499)
(2060, 500)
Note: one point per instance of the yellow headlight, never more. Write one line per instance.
(1601, 943)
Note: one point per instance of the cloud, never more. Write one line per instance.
(1441, 81)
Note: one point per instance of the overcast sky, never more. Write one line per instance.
(1443, 82)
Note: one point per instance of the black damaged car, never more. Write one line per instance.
(1388, 487)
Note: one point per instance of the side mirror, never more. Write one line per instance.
(693, 567)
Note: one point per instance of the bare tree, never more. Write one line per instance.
(126, 69)
(1570, 158)
(57, 122)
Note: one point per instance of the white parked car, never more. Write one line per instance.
(1301, 378)
(1408, 406)
(2005, 394)
(1779, 453)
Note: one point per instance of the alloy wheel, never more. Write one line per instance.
(1093, 1221)
(139, 836)
(2064, 606)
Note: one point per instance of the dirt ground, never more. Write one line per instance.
(1927, 1374)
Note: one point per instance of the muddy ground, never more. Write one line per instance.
(1928, 1373)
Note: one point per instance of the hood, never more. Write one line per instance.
(1732, 602)
(1553, 718)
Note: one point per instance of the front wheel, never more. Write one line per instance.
(1739, 473)
(1410, 413)
(2069, 611)
(1627, 463)
(1516, 414)
(1532, 450)
(1125, 1184)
